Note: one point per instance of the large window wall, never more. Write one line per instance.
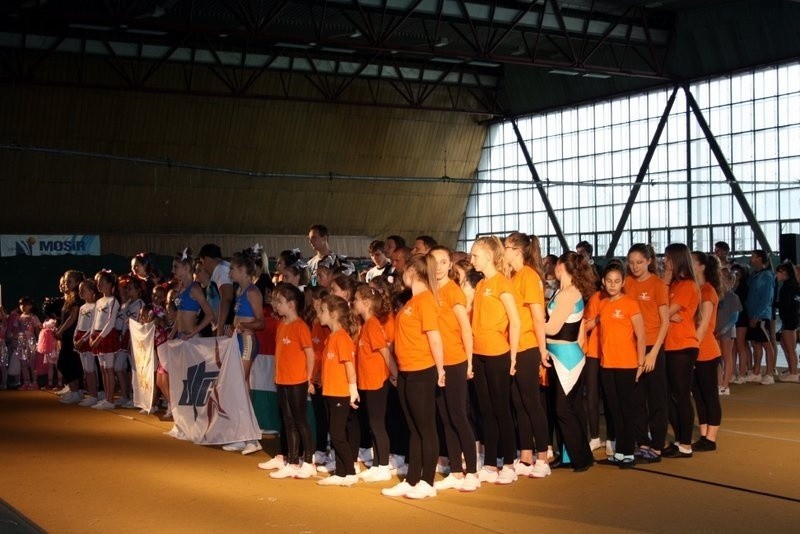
(588, 158)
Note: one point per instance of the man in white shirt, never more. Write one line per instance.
(382, 267)
(210, 260)
(318, 239)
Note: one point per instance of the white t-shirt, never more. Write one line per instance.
(85, 318)
(222, 274)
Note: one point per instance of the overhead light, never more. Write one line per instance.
(337, 50)
(484, 64)
(91, 27)
(293, 45)
(564, 72)
(356, 34)
(446, 60)
(223, 35)
(597, 75)
(443, 41)
(145, 32)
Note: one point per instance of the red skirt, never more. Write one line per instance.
(84, 346)
(109, 344)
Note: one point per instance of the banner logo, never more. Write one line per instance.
(197, 387)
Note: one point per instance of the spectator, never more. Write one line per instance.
(423, 244)
(759, 309)
(210, 260)
(318, 238)
(722, 251)
(377, 253)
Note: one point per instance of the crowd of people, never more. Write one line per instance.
(486, 366)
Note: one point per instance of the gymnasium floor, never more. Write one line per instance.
(72, 469)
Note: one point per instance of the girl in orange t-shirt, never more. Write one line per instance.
(622, 350)
(681, 345)
(375, 367)
(319, 335)
(705, 388)
(591, 373)
(523, 259)
(420, 359)
(294, 363)
(496, 334)
(339, 385)
(451, 400)
(646, 286)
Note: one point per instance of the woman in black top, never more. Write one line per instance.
(742, 347)
(788, 308)
(69, 362)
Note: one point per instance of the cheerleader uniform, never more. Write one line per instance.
(103, 328)
(128, 310)
(248, 343)
(83, 326)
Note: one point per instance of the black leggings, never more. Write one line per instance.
(493, 386)
(417, 390)
(571, 430)
(374, 402)
(451, 404)
(591, 376)
(292, 403)
(320, 419)
(706, 393)
(338, 416)
(618, 388)
(680, 371)
(531, 419)
(651, 405)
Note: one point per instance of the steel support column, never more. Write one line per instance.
(623, 218)
(726, 170)
(538, 182)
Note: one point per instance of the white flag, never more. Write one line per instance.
(143, 347)
(208, 395)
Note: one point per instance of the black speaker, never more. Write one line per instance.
(790, 247)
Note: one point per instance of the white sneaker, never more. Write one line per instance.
(274, 463)
(365, 456)
(336, 480)
(306, 471)
(724, 391)
(752, 377)
(471, 482)
(237, 446)
(63, 391)
(488, 475)
(611, 445)
(768, 380)
(321, 457)
(506, 475)
(540, 469)
(73, 397)
(596, 443)
(88, 401)
(521, 469)
(448, 482)
(329, 467)
(398, 490)
(251, 446)
(103, 405)
(287, 471)
(790, 378)
(422, 490)
(376, 473)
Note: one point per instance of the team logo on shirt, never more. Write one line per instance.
(487, 292)
(331, 355)
(644, 295)
(315, 340)
(407, 311)
(617, 314)
(286, 341)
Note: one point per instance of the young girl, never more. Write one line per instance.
(523, 258)
(651, 390)
(69, 362)
(25, 329)
(725, 332)
(705, 388)
(294, 365)
(319, 336)
(420, 360)
(681, 345)
(496, 335)
(622, 358)
(375, 368)
(591, 375)
(130, 306)
(83, 328)
(249, 309)
(788, 308)
(451, 400)
(743, 358)
(104, 339)
(339, 385)
(564, 331)
(158, 314)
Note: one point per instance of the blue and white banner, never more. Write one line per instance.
(143, 347)
(49, 245)
(209, 398)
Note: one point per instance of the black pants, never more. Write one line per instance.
(292, 403)
(451, 405)
(493, 386)
(680, 372)
(396, 424)
(338, 415)
(706, 393)
(591, 378)
(618, 388)
(571, 430)
(417, 390)
(531, 419)
(374, 402)
(651, 405)
(69, 361)
(320, 419)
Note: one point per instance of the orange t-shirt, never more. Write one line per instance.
(339, 348)
(290, 360)
(371, 367)
(530, 291)
(709, 347)
(451, 295)
(683, 335)
(319, 334)
(417, 317)
(390, 327)
(591, 344)
(651, 294)
(489, 317)
(615, 330)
